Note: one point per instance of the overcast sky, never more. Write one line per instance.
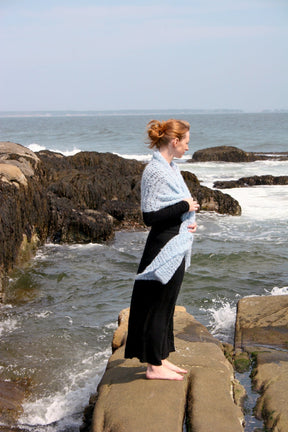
(136, 54)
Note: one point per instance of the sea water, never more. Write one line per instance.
(61, 309)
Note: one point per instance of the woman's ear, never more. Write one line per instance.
(175, 142)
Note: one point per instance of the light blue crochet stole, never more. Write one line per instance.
(162, 185)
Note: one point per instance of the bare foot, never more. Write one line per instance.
(163, 373)
(173, 367)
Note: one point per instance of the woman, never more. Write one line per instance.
(169, 209)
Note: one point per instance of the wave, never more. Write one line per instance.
(262, 203)
(222, 320)
(279, 291)
(37, 148)
(8, 325)
(58, 409)
(140, 158)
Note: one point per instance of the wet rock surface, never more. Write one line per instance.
(264, 180)
(233, 154)
(205, 396)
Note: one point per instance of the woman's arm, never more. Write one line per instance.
(174, 211)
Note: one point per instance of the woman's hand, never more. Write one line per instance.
(193, 205)
(192, 228)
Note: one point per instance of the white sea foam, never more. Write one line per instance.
(60, 407)
(44, 314)
(8, 325)
(37, 148)
(68, 152)
(279, 291)
(41, 252)
(112, 325)
(97, 356)
(209, 172)
(148, 157)
(222, 319)
(262, 202)
(140, 158)
(83, 246)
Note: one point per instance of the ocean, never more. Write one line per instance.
(61, 308)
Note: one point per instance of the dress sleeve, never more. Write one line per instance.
(174, 211)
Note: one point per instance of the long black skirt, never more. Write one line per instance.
(150, 330)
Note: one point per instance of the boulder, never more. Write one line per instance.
(98, 181)
(19, 156)
(262, 321)
(263, 180)
(205, 396)
(210, 200)
(233, 154)
(23, 216)
(262, 331)
(12, 174)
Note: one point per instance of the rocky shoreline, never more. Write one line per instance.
(74, 199)
(209, 398)
(86, 198)
(77, 199)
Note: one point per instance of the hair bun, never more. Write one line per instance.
(161, 132)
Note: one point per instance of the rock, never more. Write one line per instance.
(23, 219)
(262, 331)
(239, 393)
(228, 350)
(271, 380)
(223, 154)
(12, 174)
(233, 154)
(205, 395)
(120, 334)
(252, 181)
(72, 225)
(21, 157)
(98, 181)
(262, 321)
(210, 200)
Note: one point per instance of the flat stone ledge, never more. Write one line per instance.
(262, 331)
(262, 322)
(128, 402)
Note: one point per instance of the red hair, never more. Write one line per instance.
(162, 132)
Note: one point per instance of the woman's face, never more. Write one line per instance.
(180, 147)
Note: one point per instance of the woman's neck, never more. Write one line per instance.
(167, 153)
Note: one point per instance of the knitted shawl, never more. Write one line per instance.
(162, 185)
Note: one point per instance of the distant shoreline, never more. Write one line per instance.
(91, 113)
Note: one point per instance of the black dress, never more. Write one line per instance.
(150, 330)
